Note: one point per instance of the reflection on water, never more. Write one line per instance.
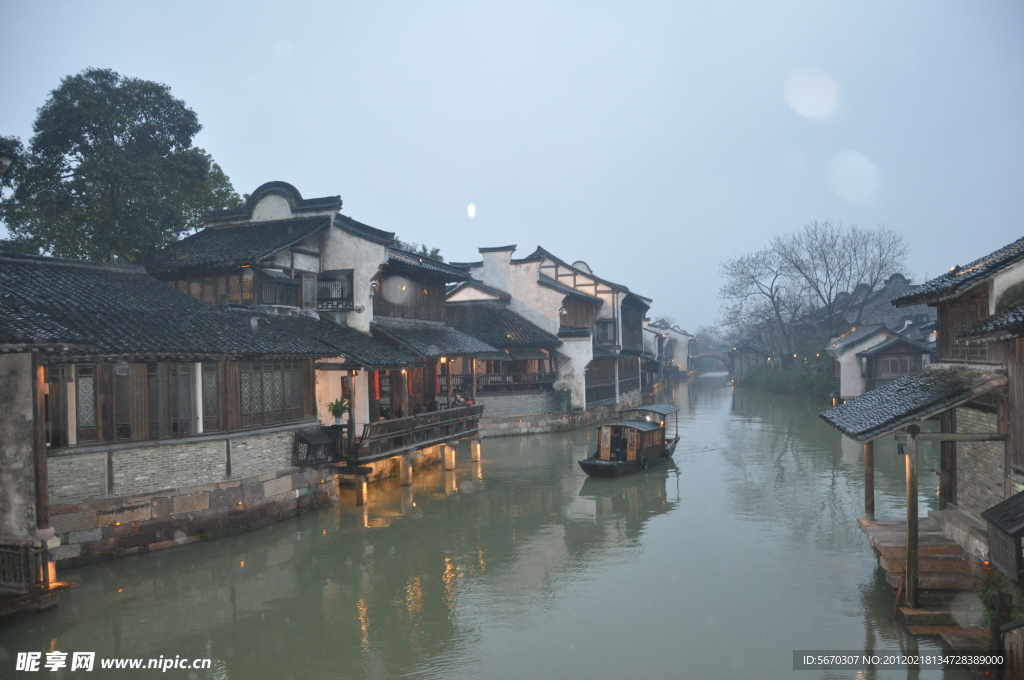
(718, 565)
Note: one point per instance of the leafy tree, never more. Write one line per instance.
(420, 249)
(111, 172)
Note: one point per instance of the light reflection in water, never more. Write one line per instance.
(716, 566)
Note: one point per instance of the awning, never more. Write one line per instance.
(910, 399)
(523, 354)
(493, 356)
(429, 340)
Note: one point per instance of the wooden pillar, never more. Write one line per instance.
(350, 450)
(472, 379)
(448, 453)
(405, 473)
(39, 445)
(451, 387)
(912, 563)
(474, 450)
(361, 489)
(869, 480)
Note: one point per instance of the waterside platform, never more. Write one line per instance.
(948, 605)
(43, 598)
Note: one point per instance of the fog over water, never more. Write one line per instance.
(720, 565)
(651, 140)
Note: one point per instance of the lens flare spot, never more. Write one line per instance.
(812, 93)
(471, 210)
(852, 177)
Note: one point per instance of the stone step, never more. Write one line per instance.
(950, 564)
(959, 639)
(936, 581)
(925, 546)
(927, 617)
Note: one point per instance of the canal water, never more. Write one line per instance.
(719, 565)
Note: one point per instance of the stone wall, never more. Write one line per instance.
(77, 476)
(17, 446)
(132, 524)
(980, 466)
(500, 426)
(518, 404)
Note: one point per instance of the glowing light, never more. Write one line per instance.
(852, 177)
(812, 93)
(471, 210)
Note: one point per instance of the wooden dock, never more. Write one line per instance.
(948, 606)
(43, 598)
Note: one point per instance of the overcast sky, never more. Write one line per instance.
(652, 140)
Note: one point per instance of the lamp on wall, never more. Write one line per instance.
(443, 360)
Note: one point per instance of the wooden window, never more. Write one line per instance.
(235, 288)
(248, 285)
(179, 399)
(271, 393)
(308, 282)
(57, 406)
(122, 401)
(85, 398)
(153, 399)
(211, 397)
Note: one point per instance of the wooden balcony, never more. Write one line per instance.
(386, 438)
(334, 295)
(25, 577)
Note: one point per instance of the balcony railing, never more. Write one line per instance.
(501, 382)
(386, 438)
(23, 568)
(334, 295)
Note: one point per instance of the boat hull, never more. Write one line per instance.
(595, 467)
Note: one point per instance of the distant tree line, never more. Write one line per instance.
(806, 287)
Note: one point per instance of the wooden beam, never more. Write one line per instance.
(39, 444)
(912, 518)
(869, 481)
(961, 437)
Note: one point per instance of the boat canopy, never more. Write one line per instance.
(660, 409)
(641, 425)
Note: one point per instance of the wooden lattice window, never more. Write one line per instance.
(85, 398)
(122, 401)
(211, 397)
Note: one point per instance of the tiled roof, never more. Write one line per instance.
(473, 283)
(855, 336)
(296, 202)
(910, 399)
(85, 309)
(358, 348)
(430, 340)
(549, 282)
(895, 340)
(248, 243)
(405, 259)
(120, 310)
(960, 278)
(540, 252)
(365, 231)
(1008, 324)
(497, 325)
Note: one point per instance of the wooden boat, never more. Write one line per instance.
(634, 443)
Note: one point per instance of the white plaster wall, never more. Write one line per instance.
(271, 207)
(1001, 281)
(572, 374)
(342, 250)
(328, 388)
(495, 269)
(469, 294)
(851, 382)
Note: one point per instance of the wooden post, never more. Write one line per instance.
(474, 450)
(912, 563)
(451, 387)
(472, 379)
(405, 473)
(351, 452)
(869, 480)
(39, 447)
